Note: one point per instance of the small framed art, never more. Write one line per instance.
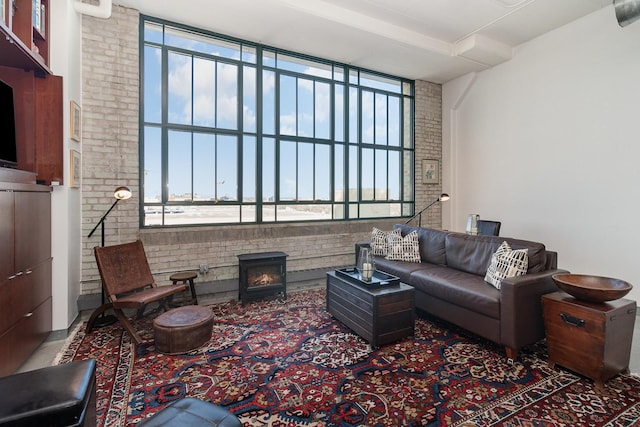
(74, 169)
(430, 171)
(74, 128)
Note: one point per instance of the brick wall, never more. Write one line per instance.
(110, 90)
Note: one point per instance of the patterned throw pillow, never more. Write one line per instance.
(404, 248)
(506, 262)
(380, 241)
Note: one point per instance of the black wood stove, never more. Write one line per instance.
(261, 275)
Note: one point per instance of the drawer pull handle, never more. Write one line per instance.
(574, 321)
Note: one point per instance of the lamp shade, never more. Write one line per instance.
(122, 193)
(444, 197)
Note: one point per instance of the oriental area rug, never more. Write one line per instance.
(288, 363)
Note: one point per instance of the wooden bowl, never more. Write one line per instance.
(592, 288)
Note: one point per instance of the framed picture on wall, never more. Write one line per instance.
(430, 171)
(74, 128)
(74, 169)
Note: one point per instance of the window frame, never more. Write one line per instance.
(353, 205)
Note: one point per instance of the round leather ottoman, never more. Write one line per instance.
(183, 329)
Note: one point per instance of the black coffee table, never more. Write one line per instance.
(379, 315)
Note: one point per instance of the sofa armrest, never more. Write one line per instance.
(521, 320)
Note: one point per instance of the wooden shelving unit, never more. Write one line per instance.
(21, 44)
(24, 65)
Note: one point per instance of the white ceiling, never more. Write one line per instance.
(433, 40)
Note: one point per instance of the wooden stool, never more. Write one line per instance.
(183, 329)
(184, 277)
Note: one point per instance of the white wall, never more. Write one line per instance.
(65, 201)
(549, 144)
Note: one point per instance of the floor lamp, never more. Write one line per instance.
(443, 198)
(121, 193)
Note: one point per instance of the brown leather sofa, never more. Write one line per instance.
(449, 283)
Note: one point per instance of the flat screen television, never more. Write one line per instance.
(8, 149)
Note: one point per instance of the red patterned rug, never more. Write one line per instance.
(289, 363)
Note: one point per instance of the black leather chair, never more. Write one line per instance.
(488, 228)
(55, 396)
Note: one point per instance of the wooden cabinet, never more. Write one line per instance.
(25, 264)
(591, 339)
(39, 131)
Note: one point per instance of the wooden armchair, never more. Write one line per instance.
(128, 283)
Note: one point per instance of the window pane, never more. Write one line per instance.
(353, 115)
(268, 171)
(303, 212)
(153, 32)
(379, 82)
(227, 100)
(381, 119)
(367, 117)
(367, 174)
(322, 172)
(380, 210)
(249, 99)
(381, 175)
(305, 107)
(338, 173)
(287, 105)
(152, 165)
(152, 84)
(394, 175)
(227, 168)
(198, 42)
(204, 105)
(394, 121)
(304, 66)
(249, 54)
(305, 171)
(180, 76)
(353, 174)
(268, 103)
(407, 124)
(268, 58)
(179, 159)
(322, 110)
(339, 113)
(249, 169)
(287, 170)
(204, 167)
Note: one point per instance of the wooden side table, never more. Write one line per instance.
(592, 339)
(186, 277)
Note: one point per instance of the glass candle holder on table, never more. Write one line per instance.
(366, 264)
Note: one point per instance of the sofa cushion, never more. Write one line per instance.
(506, 262)
(457, 287)
(400, 269)
(473, 253)
(432, 248)
(404, 248)
(380, 241)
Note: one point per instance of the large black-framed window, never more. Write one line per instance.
(237, 132)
